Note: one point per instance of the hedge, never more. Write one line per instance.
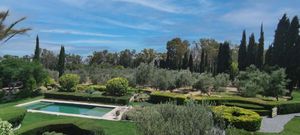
(122, 100)
(289, 107)
(13, 115)
(67, 128)
(163, 97)
(238, 117)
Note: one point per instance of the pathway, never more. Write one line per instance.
(276, 124)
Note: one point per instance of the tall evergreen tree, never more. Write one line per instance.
(191, 63)
(268, 57)
(224, 58)
(206, 65)
(61, 61)
(37, 52)
(202, 62)
(260, 50)
(251, 52)
(280, 42)
(242, 56)
(185, 60)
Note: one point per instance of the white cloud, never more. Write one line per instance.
(73, 32)
(143, 26)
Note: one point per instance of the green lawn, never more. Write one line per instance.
(34, 120)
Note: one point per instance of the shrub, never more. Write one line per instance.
(221, 81)
(277, 84)
(287, 108)
(52, 133)
(238, 117)
(13, 115)
(68, 82)
(123, 100)
(6, 128)
(171, 119)
(58, 129)
(204, 83)
(184, 78)
(117, 86)
(163, 97)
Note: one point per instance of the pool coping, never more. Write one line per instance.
(108, 116)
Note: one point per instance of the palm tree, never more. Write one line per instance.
(8, 31)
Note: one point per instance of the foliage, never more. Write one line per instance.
(238, 117)
(176, 48)
(224, 58)
(6, 128)
(37, 51)
(221, 81)
(288, 108)
(204, 83)
(68, 82)
(13, 115)
(52, 133)
(117, 86)
(184, 79)
(242, 58)
(276, 84)
(144, 73)
(61, 61)
(8, 31)
(170, 119)
(122, 100)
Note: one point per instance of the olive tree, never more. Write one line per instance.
(204, 83)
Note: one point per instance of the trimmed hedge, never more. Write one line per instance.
(122, 100)
(67, 128)
(238, 117)
(13, 115)
(290, 107)
(163, 97)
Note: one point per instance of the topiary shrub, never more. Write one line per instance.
(117, 86)
(68, 82)
(238, 117)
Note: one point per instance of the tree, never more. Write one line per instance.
(8, 31)
(202, 66)
(144, 74)
(242, 56)
(224, 58)
(277, 84)
(61, 61)
(204, 83)
(176, 48)
(185, 61)
(37, 51)
(184, 79)
(269, 57)
(260, 50)
(190, 64)
(117, 86)
(68, 82)
(48, 59)
(126, 58)
(171, 119)
(251, 52)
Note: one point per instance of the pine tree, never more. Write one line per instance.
(61, 61)
(202, 62)
(242, 56)
(191, 65)
(37, 51)
(251, 52)
(260, 51)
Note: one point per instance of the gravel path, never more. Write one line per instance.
(276, 125)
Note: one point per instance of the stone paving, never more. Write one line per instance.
(276, 124)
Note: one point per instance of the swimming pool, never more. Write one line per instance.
(69, 108)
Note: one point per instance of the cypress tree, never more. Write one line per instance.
(185, 60)
(202, 62)
(242, 56)
(224, 58)
(191, 65)
(206, 66)
(37, 51)
(251, 52)
(280, 42)
(260, 51)
(61, 61)
(268, 57)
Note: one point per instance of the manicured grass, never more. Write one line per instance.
(34, 120)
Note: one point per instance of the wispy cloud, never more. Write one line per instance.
(159, 5)
(74, 32)
(143, 26)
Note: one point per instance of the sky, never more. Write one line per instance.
(85, 26)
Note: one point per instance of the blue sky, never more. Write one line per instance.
(84, 26)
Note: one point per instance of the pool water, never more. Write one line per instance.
(69, 108)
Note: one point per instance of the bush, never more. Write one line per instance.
(238, 117)
(123, 100)
(163, 79)
(171, 119)
(204, 83)
(221, 81)
(117, 86)
(287, 108)
(68, 82)
(163, 97)
(184, 79)
(6, 128)
(13, 115)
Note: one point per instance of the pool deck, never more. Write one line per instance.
(108, 116)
